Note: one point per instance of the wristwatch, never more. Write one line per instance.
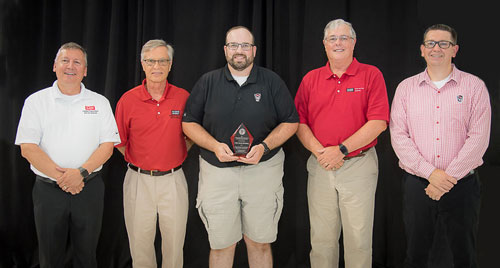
(343, 149)
(266, 148)
(83, 172)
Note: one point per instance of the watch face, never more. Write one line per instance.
(343, 149)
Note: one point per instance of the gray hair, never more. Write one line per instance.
(72, 45)
(151, 44)
(336, 23)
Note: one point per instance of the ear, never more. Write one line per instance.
(170, 65)
(54, 67)
(85, 72)
(422, 50)
(455, 51)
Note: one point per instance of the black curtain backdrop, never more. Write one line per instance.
(288, 37)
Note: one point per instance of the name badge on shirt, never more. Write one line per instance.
(350, 89)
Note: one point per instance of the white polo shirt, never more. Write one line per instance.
(67, 128)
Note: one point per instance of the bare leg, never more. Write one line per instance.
(259, 254)
(222, 258)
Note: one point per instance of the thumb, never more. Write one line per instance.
(227, 149)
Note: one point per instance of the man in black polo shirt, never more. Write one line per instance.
(240, 194)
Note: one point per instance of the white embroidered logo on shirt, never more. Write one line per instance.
(257, 96)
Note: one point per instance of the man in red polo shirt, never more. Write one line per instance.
(343, 107)
(149, 121)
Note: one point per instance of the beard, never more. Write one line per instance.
(240, 66)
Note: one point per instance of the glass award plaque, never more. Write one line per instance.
(241, 140)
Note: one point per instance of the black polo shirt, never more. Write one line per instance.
(220, 105)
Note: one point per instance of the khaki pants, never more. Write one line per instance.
(146, 198)
(345, 199)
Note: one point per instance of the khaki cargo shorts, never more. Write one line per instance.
(241, 200)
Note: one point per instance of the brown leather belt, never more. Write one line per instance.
(153, 172)
(361, 154)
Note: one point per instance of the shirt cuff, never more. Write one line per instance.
(426, 170)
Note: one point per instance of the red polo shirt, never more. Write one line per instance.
(335, 108)
(151, 130)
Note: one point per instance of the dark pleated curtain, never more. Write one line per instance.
(288, 37)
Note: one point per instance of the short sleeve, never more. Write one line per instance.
(29, 129)
(378, 104)
(195, 104)
(109, 130)
(301, 101)
(285, 108)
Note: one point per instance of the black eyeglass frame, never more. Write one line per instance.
(444, 44)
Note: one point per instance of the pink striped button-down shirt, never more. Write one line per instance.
(446, 128)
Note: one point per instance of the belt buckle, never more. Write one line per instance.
(151, 172)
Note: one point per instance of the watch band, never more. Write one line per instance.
(83, 172)
(343, 149)
(266, 148)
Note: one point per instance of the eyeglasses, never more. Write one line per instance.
(161, 62)
(343, 38)
(244, 46)
(442, 44)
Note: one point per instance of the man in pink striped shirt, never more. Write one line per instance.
(440, 129)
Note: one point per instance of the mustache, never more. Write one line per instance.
(238, 55)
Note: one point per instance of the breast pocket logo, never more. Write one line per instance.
(90, 109)
(257, 97)
(175, 114)
(460, 98)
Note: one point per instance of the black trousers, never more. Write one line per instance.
(59, 214)
(457, 209)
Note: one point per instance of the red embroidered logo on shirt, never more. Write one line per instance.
(90, 109)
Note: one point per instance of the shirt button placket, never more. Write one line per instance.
(158, 110)
(437, 132)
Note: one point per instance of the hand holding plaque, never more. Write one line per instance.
(241, 141)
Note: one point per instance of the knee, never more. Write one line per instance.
(223, 251)
(263, 247)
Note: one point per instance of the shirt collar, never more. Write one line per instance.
(351, 70)
(424, 76)
(57, 94)
(145, 96)
(252, 78)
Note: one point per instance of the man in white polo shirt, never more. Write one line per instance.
(67, 132)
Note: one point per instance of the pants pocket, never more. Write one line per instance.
(201, 212)
(279, 204)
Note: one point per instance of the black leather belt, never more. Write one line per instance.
(153, 172)
(54, 183)
(362, 153)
